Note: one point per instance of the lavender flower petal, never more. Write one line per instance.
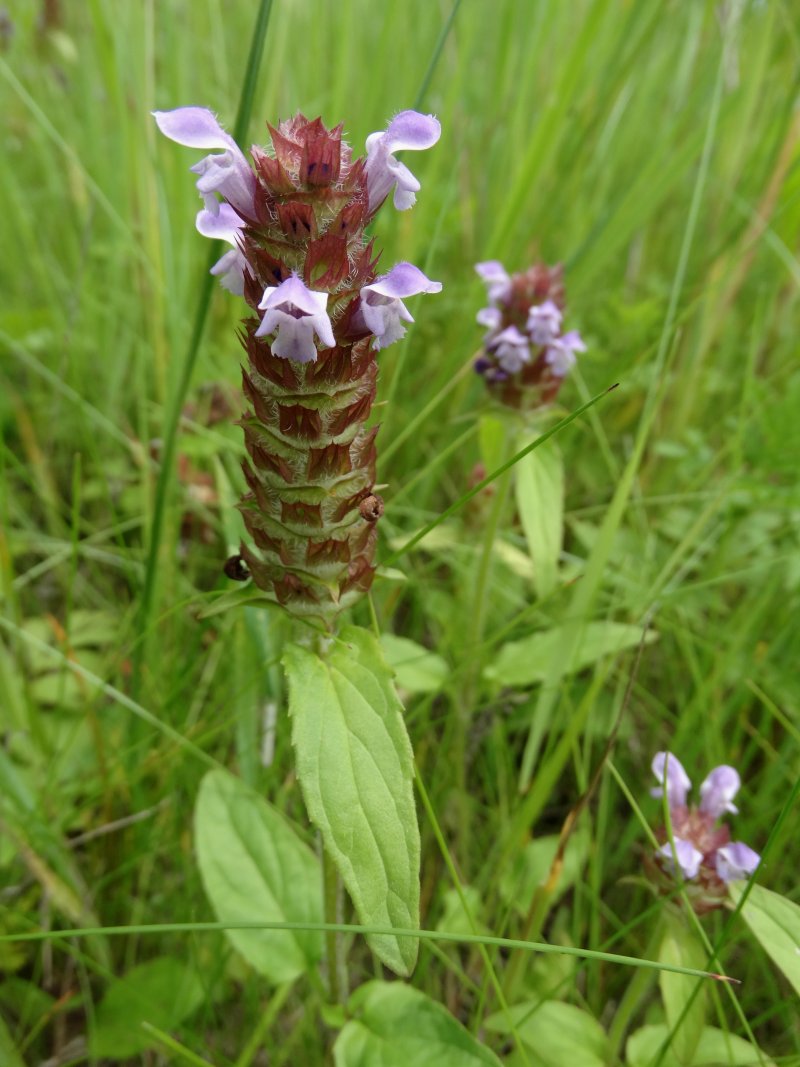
(512, 349)
(225, 226)
(735, 861)
(228, 173)
(408, 130)
(296, 313)
(382, 307)
(687, 856)
(489, 317)
(544, 322)
(718, 790)
(498, 281)
(560, 354)
(677, 780)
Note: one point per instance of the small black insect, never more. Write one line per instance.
(236, 569)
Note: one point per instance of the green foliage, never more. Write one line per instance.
(715, 1048)
(397, 1026)
(355, 766)
(162, 992)
(684, 1002)
(539, 484)
(416, 669)
(775, 923)
(555, 1033)
(255, 868)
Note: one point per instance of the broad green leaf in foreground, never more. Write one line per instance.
(397, 1026)
(256, 868)
(162, 992)
(716, 1048)
(539, 484)
(680, 946)
(557, 1033)
(775, 922)
(417, 669)
(355, 766)
(529, 660)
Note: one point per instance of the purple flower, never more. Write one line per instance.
(560, 353)
(686, 856)
(677, 780)
(296, 313)
(544, 322)
(498, 281)
(408, 130)
(512, 349)
(718, 790)
(225, 226)
(735, 861)
(382, 304)
(228, 173)
(491, 318)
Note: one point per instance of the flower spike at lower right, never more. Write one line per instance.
(299, 256)
(525, 355)
(699, 849)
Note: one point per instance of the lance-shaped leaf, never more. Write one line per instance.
(397, 1026)
(775, 922)
(680, 946)
(255, 868)
(355, 767)
(539, 483)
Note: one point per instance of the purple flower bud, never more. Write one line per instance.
(498, 281)
(228, 173)
(512, 349)
(408, 130)
(687, 857)
(296, 313)
(382, 305)
(481, 365)
(677, 780)
(544, 322)
(718, 790)
(225, 226)
(735, 861)
(560, 354)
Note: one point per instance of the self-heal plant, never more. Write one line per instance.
(697, 847)
(321, 313)
(296, 222)
(525, 356)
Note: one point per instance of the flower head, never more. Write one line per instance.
(295, 313)
(382, 304)
(227, 173)
(225, 226)
(703, 851)
(408, 130)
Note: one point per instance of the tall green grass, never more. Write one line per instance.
(653, 149)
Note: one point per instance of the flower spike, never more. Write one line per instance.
(301, 260)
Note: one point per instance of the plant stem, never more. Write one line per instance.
(334, 940)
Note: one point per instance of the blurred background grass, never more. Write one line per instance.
(571, 132)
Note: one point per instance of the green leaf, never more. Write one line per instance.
(529, 660)
(355, 766)
(397, 1026)
(680, 946)
(716, 1048)
(162, 992)
(254, 867)
(9, 1056)
(558, 1033)
(775, 923)
(539, 485)
(417, 670)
